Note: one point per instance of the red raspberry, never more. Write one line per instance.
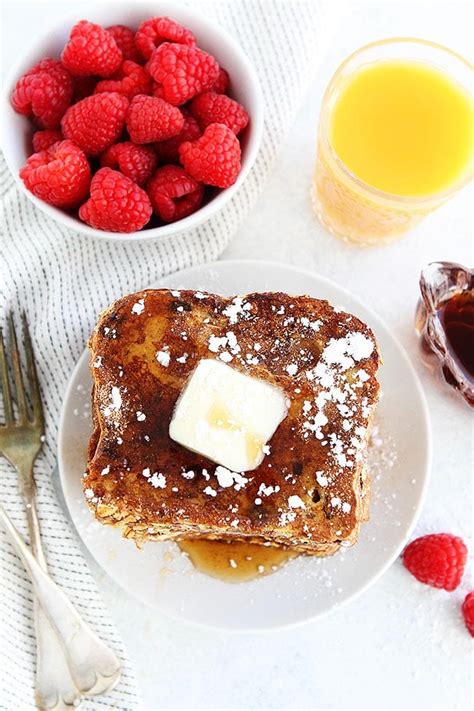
(167, 151)
(44, 92)
(130, 80)
(136, 162)
(125, 40)
(91, 50)
(157, 30)
(42, 140)
(182, 71)
(96, 122)
(437, 560)
(83, 86)
(60, 175)
(468, 612)
(116, 203)
(218, 108)
(214, 159)
(156, 90)
(174, 194)
(150, 119)
(222, 83)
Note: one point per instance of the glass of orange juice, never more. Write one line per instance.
(395, 139)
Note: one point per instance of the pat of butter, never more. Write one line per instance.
(227, 416)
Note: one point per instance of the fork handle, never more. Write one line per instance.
(94, 667)
(55, 689)
(28, 493)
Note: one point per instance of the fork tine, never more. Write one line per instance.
(19, 387)
(7, 397)
(32, 374)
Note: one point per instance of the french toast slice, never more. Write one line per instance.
(309, 493)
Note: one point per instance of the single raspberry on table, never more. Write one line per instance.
(83, 86)
(437, 560)
(91, 50)
(210, 107)
(222, 83)
(44, 93)
(182, 71)
(96, 122)
(136, 162)
(125, 40)
(150, 119)
(168, 151)
(173, 193)
(42, 140)
(468, 612)
(157, 30)
(130, 80)
(60, 175)
(213, 159)
(116, 203)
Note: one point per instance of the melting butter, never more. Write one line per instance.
(220, 417)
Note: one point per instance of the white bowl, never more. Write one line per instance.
(17, 129)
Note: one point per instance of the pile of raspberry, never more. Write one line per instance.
(132, 128)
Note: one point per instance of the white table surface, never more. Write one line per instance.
(401, 645)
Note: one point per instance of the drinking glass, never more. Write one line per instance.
(347, 206)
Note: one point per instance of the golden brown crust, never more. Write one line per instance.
(138, 478)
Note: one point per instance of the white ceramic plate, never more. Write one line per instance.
(162, 577)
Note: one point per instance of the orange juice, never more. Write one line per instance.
(395, 139)
(404, 128)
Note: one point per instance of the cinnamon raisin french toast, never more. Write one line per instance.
(310, 491)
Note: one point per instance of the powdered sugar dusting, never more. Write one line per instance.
(227, 478)
(115, 402)
(163, 356)
(295, 502)
(238, 309)
(337, 357)
(138, 307)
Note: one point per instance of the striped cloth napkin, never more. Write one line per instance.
(63, 281)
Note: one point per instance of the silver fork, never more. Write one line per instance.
(20, 443)
(68, 663)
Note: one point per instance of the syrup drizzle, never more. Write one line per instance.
(234, 561)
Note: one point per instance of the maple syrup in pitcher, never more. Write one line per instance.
(234, 561)
(457, 317)
(445, 322)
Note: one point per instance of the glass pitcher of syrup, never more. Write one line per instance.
(445, 323)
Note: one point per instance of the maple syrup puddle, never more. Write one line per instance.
(234, 561)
